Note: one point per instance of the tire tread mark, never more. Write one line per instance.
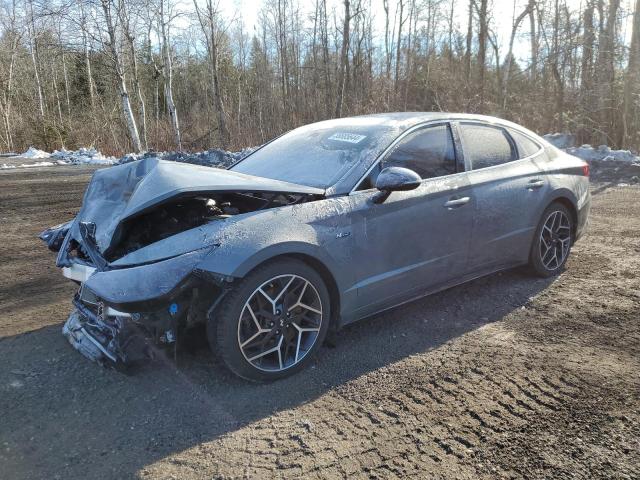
(532, 396)
(428, 392)
(546, 392)
(511, 410)
(372, 418)
(483, 423)
(446, 448)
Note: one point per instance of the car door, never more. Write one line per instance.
(508, 187)
(415, 240)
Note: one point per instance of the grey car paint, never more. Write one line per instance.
(373, 256)
(411, 237)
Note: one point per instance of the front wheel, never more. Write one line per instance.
(552, 241)
(272, 322)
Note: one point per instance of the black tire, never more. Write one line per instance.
(223, 324)
(536, 258)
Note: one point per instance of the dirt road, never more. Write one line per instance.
(506, 377)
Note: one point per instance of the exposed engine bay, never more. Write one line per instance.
(190, 212)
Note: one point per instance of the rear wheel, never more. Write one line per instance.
(552, 241)
(272, 322)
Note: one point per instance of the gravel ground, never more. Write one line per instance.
(505, 377)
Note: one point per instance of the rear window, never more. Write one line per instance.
(486, 146)
(526, 146)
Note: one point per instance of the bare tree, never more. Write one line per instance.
(129, 35)
(9, 21)
(482, 48)
(164, 18)
(208, 21)
(507, 66)
(631, 96)
(401, 20)
(31, 31)
(344, 58)
(533, 69)
(118, 70)
(606, 71)
(467, 56)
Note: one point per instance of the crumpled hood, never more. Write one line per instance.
(123, 191)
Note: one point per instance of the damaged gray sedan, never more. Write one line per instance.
(327, 224)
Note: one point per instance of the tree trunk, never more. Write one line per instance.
(118, 70)
(586, 72)
(507, 63)
(7, 93)
(467, 55)
(401, 21)
(344, 58)
(168, 75)
(631, 135)
(606, 73)
(31, 30)
(208, 27)
(450, 30)
(87, 60)
(129, 35)
(54, 77)
(482, 49)
(387, 47)
(555, 67)
(66, 85)
(534, 41)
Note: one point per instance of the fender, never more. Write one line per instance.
(238, 265)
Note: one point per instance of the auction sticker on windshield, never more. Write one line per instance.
(347, 137)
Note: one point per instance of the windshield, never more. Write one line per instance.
(320, 154)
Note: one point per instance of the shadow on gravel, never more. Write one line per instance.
(62, 415)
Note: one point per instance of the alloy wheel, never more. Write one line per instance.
(555, 240)
(280, 323)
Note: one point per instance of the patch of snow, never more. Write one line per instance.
(603, 154)
(209, 158)
(90, 156)
(87, 156)
(34, 153)
(27, 165)
(38, 164)
(560, 140)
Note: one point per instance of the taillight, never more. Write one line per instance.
(585, 170)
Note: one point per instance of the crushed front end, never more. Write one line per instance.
(136, 246)
(139, 312)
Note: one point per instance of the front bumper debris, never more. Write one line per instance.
(116, 341)
(82, 341)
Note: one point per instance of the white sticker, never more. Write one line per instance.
(347, 137)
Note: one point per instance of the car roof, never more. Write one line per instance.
(410, 119)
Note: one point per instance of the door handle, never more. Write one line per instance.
(535, 184)
(456, 202)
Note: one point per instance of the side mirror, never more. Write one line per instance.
(393, 179)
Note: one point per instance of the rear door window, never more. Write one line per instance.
(486, 146)
(429, 152)
(526, 146)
